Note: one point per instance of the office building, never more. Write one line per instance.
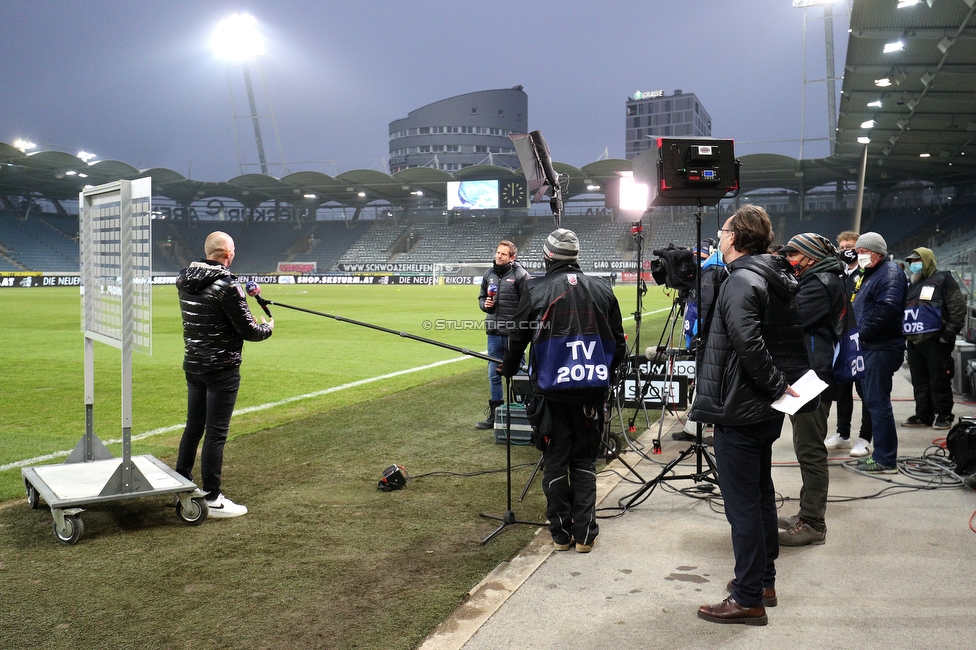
(652, 114)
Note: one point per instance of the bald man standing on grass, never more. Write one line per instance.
(216, 322)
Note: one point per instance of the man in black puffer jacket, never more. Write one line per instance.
(753, 351)
(216, 322)
(573, 322)
(501, 288)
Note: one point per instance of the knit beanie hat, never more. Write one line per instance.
(814, 246)
(873, 242)
(561, 244)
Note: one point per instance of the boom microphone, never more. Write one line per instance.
(254, 291)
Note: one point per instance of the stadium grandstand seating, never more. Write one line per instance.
(49, 242)
(42, 242)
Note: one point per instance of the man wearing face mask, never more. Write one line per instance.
(821, 301)
(879, 308)
(846, 242)
(935, 313)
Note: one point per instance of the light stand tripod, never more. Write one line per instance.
(697, 449)
(509, 517)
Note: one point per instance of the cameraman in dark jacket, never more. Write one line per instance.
(879, 308)
(935, 312)
(573, 322)
(753, 351)
(822, 303)
(501, 288)
(216, 322)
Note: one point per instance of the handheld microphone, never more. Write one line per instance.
(492, 290)
(254, 291)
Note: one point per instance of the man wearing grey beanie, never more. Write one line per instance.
(879, 307)
(573, 322)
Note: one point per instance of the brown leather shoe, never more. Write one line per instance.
(729, 611)
(769, 595)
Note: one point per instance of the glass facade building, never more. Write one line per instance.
(651, 115)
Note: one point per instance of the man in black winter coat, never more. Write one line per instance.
(935, 313)
(216, 322)
(821, 301)
(753, 351)
(573, 322)
(501, 288)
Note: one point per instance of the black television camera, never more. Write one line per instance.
(675, 268)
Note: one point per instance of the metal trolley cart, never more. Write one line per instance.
(117, 310)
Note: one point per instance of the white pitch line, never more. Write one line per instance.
(648, 313)
(261, 407)
(249, 409)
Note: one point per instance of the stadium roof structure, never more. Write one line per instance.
(909, 89)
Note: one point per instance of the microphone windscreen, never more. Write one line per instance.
(649, 353)
(252, 288)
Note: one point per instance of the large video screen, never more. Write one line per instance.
(472, 195)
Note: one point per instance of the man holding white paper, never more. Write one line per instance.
(753, 352)
(821, 301)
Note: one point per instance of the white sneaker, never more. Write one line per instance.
(837, 442)
(860, 448)
(224, 508)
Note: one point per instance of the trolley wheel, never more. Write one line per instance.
(74, 528)
(195, 514)
(615, 444)
(33, 498)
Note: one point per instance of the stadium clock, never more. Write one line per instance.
(513, 194)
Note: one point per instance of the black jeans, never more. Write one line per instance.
(844, 394)
(569, 475)
(743, 458)
(930, 363)
(210, 403)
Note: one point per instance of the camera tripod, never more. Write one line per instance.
(705, 471)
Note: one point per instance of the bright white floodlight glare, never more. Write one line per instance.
(237, 38)
(634, 196)
(86, 156)
(903, 4)
(896, 46)
(869, 124)
(883, 82)
(24, 145)
(864, 140)
(875, 104)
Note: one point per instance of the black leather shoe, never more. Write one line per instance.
(769, 595)
(729, 611)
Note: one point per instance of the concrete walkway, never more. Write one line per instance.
(898, 569)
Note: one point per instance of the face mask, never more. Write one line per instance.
(915, 267)
(795, 265)
(719, 255)
(848, 257)
(864, 260)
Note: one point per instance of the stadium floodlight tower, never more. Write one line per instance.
(236, 39)
(828, 9)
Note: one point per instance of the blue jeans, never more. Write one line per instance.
(497, 344)
(879, 367)
(743, 458)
